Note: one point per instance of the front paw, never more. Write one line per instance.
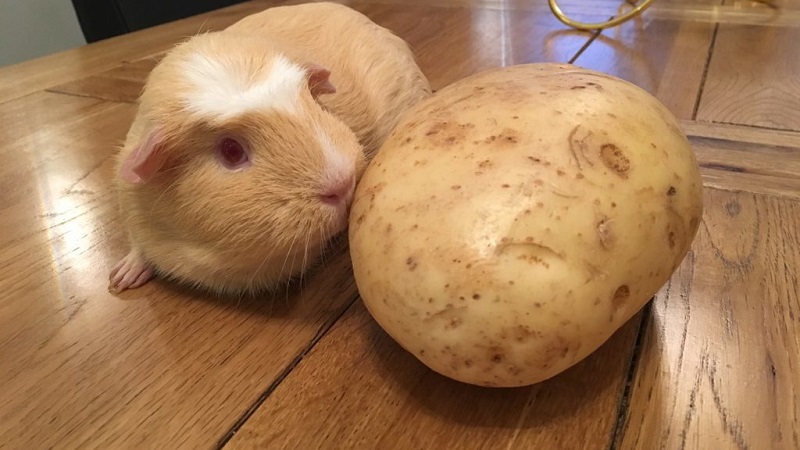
(130, 272)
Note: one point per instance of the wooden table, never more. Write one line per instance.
(713, 362)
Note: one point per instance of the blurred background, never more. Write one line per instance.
(34, 28)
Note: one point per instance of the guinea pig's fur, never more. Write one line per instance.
(310, 92)
(374, 71)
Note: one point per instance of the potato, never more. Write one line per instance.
(516, 219)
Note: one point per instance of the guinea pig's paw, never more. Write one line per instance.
(130, 272)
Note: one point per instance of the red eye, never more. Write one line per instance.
(232, 154)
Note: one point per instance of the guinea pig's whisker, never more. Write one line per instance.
(285, 260)
(251, 282)
(305, 257)
(324, 246)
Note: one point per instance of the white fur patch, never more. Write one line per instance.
(223, 92)
(338, 167)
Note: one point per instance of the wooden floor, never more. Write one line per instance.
(712, 363)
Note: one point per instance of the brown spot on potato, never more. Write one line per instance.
(604, 233)
(420, 162)
(497, 355)
(411, 263)
(455, 187)
(505, 185)
(476, 296)
(577, 87)
(389, 228)
(612, 115)
(560, 172)
(485, 163)
(436, 128)
(523, 333)
(360, 219)
(509, 136)
(515, 117)
(514, 370)
(467, 363)
(614, 158)
(671, 191)
(671, 239)
(408, 140)
(620, 296)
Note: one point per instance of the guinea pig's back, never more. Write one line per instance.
(375, 72)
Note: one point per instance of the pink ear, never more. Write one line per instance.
(319, 80)
(145, 160)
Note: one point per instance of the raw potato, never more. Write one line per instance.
(519, 217)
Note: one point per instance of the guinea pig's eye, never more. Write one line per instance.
(232, 154)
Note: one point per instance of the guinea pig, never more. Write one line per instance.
(242, 158)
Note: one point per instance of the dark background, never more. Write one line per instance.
(101, 19)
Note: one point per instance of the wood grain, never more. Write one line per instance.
(123, 83)
(747, 159)
(664, 57)
(720, 366)
(475, 40)
(159, 367)
(752, 78)
(358, 389)
(454, 42)
(164, 367)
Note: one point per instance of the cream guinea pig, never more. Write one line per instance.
(242, 159)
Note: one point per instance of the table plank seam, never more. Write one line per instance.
(788, 197)
(710, 55)
(321, 333)
(97, 97)
(623, 404)
(747, 125)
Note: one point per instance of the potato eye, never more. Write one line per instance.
(232, 154)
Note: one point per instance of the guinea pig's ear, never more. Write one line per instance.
(145, 160)
(319, 80)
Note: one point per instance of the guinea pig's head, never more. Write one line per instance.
(235, 175)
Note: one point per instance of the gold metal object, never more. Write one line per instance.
(599, 25)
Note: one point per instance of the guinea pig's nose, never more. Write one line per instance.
(339, 191)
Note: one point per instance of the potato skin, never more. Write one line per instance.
(516, 219)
